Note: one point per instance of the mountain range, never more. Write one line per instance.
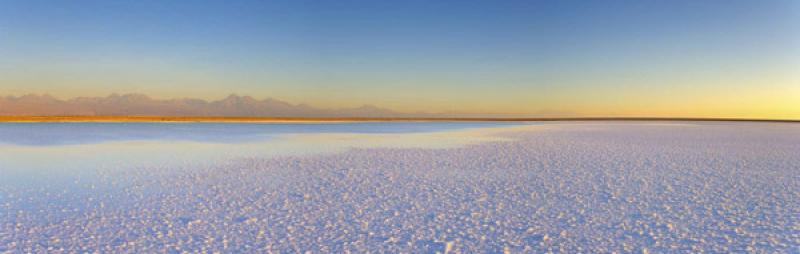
(143, 105)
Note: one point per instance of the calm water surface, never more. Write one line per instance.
(52, 153)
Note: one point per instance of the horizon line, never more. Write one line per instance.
(245, 119)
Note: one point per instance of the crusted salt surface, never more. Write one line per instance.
(575, 188)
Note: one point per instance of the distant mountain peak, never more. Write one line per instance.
(127, 104)
(44, 96)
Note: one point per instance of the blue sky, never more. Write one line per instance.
(674, 58)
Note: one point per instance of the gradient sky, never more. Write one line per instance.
(584, 58)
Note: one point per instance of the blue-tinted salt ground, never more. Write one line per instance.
(556, 187)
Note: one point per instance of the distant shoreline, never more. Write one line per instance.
(359, 119)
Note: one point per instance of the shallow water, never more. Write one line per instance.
(54, 134)
(32, 153)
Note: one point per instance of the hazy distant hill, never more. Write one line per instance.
(143, 105)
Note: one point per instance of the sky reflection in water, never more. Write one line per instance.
(35, 153)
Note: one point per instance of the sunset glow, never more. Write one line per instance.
(520, 58)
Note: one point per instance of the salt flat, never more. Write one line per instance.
(593, 187)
